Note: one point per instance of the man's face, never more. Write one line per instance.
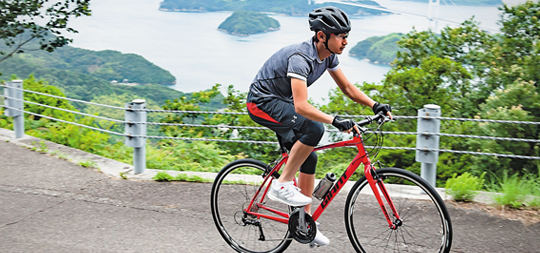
(338, 42)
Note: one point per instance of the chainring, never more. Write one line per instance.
(298, 235)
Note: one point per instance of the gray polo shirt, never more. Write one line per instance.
(295, 61)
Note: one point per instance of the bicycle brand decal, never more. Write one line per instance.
(334, 190)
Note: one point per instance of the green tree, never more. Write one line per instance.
(469, 73)
(188, 104)
(236, 102)
(19, 23)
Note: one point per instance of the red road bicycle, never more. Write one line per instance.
(388, 209)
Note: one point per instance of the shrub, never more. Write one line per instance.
(513, 190)
(464, 187)
(534, 198)
(163, 177)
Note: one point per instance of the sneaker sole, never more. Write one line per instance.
(276, 198)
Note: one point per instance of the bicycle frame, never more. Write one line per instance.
(361, 158)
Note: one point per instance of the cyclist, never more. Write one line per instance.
(278, 99)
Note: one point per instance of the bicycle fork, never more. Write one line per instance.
(376, 183)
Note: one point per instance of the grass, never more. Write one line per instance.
(41, 147)
(464, 187)
(166, 177)
(88, 164)
(517, 192)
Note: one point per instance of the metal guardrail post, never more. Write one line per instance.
(14, 102)
(428, 140)
(136, 127)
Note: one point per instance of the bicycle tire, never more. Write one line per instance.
(426, 224)
(234, 187)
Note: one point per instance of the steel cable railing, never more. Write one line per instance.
(263, 128)
(67, 122)
(70, 111)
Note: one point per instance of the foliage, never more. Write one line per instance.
(73, 136)
(236, 103)
(163, 177)
(41, 147)
(464, 187)
(40, 86)
(378, 49)
(248, 22)
(86, 74)
(185, 156)
(515, 191)
(88, 164)
(24, 21)
(83, 74)
(191, 106)
(287, 7)
(166, 177)
(192, 178)
(469, 73)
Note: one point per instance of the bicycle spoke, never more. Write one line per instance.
(423, 222)
(233, 190)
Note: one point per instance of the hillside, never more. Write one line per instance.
(244, 23)
(86, 74)
(377, 49)
(287, 7)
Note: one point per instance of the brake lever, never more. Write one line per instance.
(361, 129)
(385, 119)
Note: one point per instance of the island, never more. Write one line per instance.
(286, 7)
(377, 49)
(244, 23)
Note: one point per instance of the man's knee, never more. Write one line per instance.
(313, 134)
(310, 164)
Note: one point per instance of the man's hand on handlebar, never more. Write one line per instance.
(382, 108)
(344, 125)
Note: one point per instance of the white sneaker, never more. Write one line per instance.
(288, 193)
(320, 239)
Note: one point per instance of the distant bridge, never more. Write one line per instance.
(433, 11)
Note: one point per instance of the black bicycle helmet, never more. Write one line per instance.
(329, 20)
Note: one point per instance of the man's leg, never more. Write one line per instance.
(284, 190)
(297, 156)
(306, 183)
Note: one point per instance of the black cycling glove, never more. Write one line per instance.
(342, 124)
(384, 108)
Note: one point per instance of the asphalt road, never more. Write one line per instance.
(52, 205)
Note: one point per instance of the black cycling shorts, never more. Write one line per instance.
(281, 117)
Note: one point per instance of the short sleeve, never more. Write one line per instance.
(333, 63)
(298, 67)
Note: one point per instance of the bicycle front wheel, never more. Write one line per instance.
(425, 223)
(234, 188)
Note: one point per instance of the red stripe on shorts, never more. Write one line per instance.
(259, 113)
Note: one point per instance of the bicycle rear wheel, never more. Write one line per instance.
(234, 187)
(426, 225)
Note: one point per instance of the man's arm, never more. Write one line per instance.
(301, 105)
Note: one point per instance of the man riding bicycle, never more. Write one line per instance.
(278, 99)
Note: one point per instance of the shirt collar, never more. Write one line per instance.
(315, 51)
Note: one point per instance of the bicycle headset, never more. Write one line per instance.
(330, 20)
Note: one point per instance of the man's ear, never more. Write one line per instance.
(321, 36)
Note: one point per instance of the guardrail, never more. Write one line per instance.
(135, 121)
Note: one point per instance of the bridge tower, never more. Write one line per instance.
(433, 12)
